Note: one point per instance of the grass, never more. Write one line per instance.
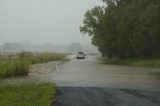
(28, 95)
(46, 57)
(19, 65)
(152, 63)
(14, 67)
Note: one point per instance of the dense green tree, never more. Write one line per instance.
(125, 28)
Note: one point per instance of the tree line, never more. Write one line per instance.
(125, 28)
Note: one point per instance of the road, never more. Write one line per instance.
(90, 82)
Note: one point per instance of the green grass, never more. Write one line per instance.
(46, 57)
(153, 63)
(27, 95)
(19, 65)
(14, 67)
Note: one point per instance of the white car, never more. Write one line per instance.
(80, 55)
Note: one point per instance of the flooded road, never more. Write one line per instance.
(90, 82)
(91, 72)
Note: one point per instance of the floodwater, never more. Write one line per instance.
(92, 72)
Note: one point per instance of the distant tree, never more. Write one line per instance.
(7, 47)
(16, 47)
(74, 47)
(11, 47)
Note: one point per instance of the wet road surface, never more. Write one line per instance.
(97, 96)
(93, 73)
(89, 82)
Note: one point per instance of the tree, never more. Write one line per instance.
(125, 28)
(74, 47)
(11, 47)
(7, 47)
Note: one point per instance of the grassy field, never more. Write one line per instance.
(19, 64)
(28, 95)
(46, 57)
(152, 63)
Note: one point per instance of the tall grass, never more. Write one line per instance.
(45, 57)
(14, 67)
(19, 65)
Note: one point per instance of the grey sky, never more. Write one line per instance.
(42, 21)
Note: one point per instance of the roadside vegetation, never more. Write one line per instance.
(128, 30)
(28, 95)
(152, 63)
(18, 65)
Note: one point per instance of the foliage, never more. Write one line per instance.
(14, 67)
(27, 95)
(19, 65)
(125, 28)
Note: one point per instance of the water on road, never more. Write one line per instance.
(90, 82)
(92, 72)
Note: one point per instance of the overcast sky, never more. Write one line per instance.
(42, 21)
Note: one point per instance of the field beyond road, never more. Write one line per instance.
(19, 64)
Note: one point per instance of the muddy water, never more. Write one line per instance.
(91, 72)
